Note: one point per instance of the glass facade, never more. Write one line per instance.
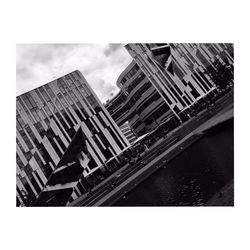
(183, 73)
(47, 118)
(138, 102)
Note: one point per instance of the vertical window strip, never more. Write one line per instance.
(75, 105)
(85, 105)
(64, 104)
(176, 91)
(27, 140)
(198, 83)
(27, 113)
(83, 100)
(60, 142)
(117, 134)
(116, 128)
(42, 176)
(39, 159)
(20, 185)
(30, 184)
(37, 182)
(111, 141)
(61, 128)
(162, 86)
(72, 110)
(21, 140)
(20, 145)
(19, 106)
(57, 113)
(57, 103)
(97, 149)
(21, 156)
(103, 146)
(93, 123)
(58, 145)
(21, 193)
(50, 150)
(93, 153)
(195, 85)
(29, 134)
(38, 179)
(58, 132)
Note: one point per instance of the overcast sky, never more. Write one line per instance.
(101, 65)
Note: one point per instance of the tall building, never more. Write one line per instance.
(47, 120)
(138, 102)
(183, 73)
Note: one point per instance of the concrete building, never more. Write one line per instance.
(47, 119)
(182, 73)
(138, 102)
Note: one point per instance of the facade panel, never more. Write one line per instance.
(184, 73)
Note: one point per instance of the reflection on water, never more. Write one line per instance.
(192, 177)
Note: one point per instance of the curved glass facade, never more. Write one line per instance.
(138, 102)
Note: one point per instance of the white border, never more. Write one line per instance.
(124, 21)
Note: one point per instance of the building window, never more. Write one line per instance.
(44, 94)
(49, 90)
(73, 96)
(20, 120)
(62, 100)
(35, 115)
(26, 140)
(19, 107)
(39, 129)
(19, 161)
(69, 99)
(47, 110)
(58, 105)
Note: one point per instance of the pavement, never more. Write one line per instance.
(216, 120)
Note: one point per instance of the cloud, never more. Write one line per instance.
(113, 47)
(101, 65)
(108, 89)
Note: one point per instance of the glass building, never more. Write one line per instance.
(48, 118)
(184, 73)
(138, 102)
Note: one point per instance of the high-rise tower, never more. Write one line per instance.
(47, 119)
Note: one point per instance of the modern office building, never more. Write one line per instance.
(138, 102)
(128, 132)
(183, 73)
(47, 120)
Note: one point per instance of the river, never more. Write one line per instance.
(191, 178)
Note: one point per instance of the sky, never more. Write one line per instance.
(101, 65)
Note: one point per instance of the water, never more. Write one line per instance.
(193, 177)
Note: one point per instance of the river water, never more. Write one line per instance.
(191, 178)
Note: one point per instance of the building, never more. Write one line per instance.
(127, 131)
(138, 102)
(184, 73)
(47, 120)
